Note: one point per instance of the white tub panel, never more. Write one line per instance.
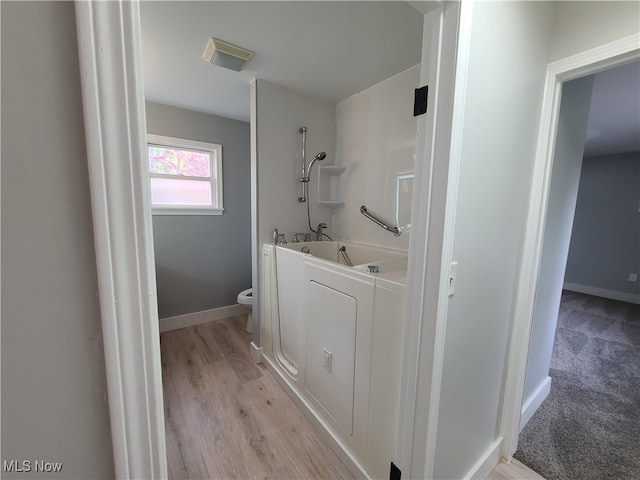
(267, 304)
(290, 276)
(386, 372)
(331, 350)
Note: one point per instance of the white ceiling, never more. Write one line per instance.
(330, 50)
(614, 116)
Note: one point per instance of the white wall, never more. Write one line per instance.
(583, 25)
(54, 404)
(508, 57)
(376, 141)
(563, 192)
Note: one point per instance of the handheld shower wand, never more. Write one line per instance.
(306, 171)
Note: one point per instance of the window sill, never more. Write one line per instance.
(187, 211)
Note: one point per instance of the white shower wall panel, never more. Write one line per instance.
(376, 142)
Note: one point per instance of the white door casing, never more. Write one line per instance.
(113, 102)
(576, 66)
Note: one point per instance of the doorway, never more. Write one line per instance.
(586, 374)
(137, 264)
(531, 274)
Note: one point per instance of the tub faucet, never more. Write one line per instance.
(319, 231)
(278, 238)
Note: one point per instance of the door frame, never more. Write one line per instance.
(585, 63)
(114, 119)
(438, 154)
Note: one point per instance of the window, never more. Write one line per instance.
(185, 176)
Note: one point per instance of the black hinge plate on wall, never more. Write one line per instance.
(420, 101)
(395, 472)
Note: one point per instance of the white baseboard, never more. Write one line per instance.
(602, 292)
(531, 404)
(256, 353)
(487, 462)
(196, 318)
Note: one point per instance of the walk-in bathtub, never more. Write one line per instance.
(332, 334)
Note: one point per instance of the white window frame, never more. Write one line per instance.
(182, 143)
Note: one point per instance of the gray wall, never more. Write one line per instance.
(563, 191)
(605, 243)
(203, 262)
(54, 404)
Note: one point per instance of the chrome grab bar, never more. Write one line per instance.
(397, 231)
(342, 251)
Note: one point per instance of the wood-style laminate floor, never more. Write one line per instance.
(514, 470)
(228, 418)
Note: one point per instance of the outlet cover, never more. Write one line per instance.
(453, 273)
(633, 277)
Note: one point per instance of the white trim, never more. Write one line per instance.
(487, 462)
(433, 215)
(534, 401)
(408, 422)
(597, 59)
(458, 77)
(214, 179)
(602, 292)
(197, 318)
(183, 143)
(256, 248)
(113, 100)
(255, 352)
(186, 211)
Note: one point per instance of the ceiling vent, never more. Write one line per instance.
(225, 54)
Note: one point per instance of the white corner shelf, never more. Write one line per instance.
(331, 185)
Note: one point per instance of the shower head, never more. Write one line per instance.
(318, 158)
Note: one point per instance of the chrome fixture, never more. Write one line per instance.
(342, 251)
(373, 268)
(306, 171)
(278, 238)
(305, 237)
(397, 231)
(319, 231)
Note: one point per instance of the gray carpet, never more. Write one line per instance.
(589, 425)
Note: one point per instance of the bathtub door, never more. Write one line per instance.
(338, 308)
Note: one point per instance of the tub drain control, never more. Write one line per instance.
(373, 268)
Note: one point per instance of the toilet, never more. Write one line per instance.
(245, 298)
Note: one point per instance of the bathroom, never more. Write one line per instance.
(368, 135)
